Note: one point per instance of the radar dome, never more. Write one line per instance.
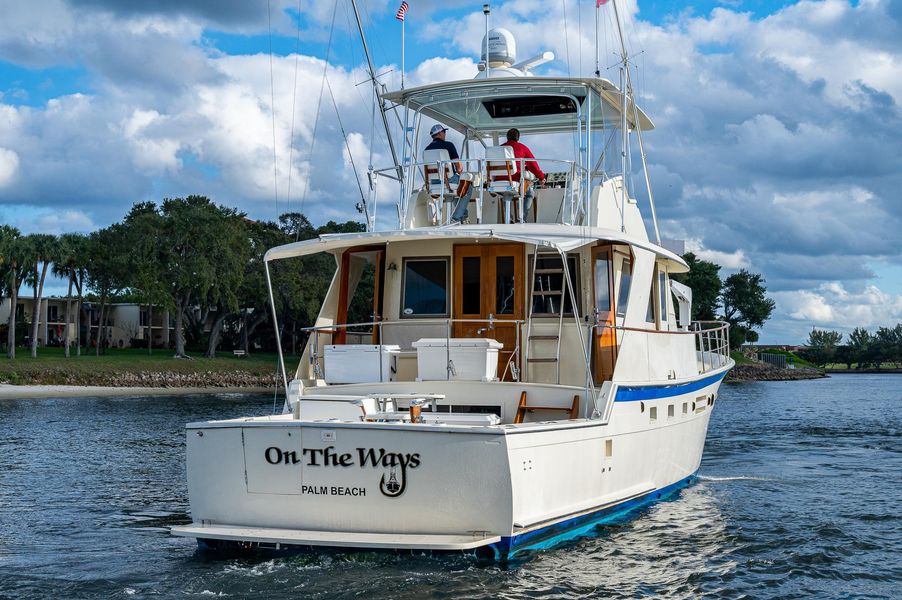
(502, 48)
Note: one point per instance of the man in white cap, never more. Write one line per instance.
(438, 143)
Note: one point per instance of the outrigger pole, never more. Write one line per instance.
(628, 88)
(382, 106)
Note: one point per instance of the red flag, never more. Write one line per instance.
(598, 3)
(402, 10)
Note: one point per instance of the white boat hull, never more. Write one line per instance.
(279, 481)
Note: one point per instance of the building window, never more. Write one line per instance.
(142, 318)
(53, 314)
(425, 287)
(550, 287)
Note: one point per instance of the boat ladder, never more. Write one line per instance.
(550, 301)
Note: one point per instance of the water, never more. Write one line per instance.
(798, 498)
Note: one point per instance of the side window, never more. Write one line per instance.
(662, 294)
(424, 290)
(626, 279)
(650, 313)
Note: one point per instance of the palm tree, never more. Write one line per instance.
(14, 254)
(44, 250)
(68, 263)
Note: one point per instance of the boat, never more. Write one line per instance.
(521, 376)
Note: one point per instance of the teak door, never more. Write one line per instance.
(488, 283)
(605, 336)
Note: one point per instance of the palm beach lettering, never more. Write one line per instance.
(396, 463)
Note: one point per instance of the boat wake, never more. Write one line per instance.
(736, 478)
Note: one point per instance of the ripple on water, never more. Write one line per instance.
(796, 499)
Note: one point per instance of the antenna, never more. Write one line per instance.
(487, 10)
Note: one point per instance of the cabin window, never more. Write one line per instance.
(653, 414)
(425, 287)
(626, 279)
(550, 288)
(670, 412)
(471, 275)
(602, 289)
(504, 285)
(662, 293)
(650, 313)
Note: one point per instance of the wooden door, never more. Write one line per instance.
(488, 281)
(374, 255)
(605, 336)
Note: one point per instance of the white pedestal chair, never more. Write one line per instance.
(502, 178)
(437, 172)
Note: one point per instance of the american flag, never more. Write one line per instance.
(402, 10)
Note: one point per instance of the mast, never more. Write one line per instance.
(628, 88)
(372, 70)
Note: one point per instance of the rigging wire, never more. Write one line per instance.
(344, 135)
(319, 103)
(272, 105)
(566, 38)
(294, 101)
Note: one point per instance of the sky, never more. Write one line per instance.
(777, 148)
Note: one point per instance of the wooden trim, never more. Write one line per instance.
(341, 312)
(604, 344)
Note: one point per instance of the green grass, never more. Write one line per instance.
(796, 359)
(51, 367)
(843, 366)
(739, 358)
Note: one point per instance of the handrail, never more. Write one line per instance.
(576, 171)
(712, 340)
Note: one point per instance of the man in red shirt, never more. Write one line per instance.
(522, 151)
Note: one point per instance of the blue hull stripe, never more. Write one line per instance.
(651, 392)
(547, 537)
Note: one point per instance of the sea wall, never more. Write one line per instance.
(766, 372)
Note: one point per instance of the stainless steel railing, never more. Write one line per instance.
(712, 340)
(416, 181)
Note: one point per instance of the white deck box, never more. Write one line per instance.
(360, 363)
(473, 359)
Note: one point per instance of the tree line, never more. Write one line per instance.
(863, 349)
(740, 299)
(199, 261)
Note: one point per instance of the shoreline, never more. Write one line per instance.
(20, 392)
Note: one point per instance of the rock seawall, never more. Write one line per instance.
(148, 379)
(766, 372)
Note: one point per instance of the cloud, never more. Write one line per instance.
(778, 144)
(832, 305)
(9, 165)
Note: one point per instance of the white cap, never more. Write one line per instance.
(437, 129)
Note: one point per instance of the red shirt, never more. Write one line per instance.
(521, 151)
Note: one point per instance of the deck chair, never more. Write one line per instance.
(502, 178)
(437, 173)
